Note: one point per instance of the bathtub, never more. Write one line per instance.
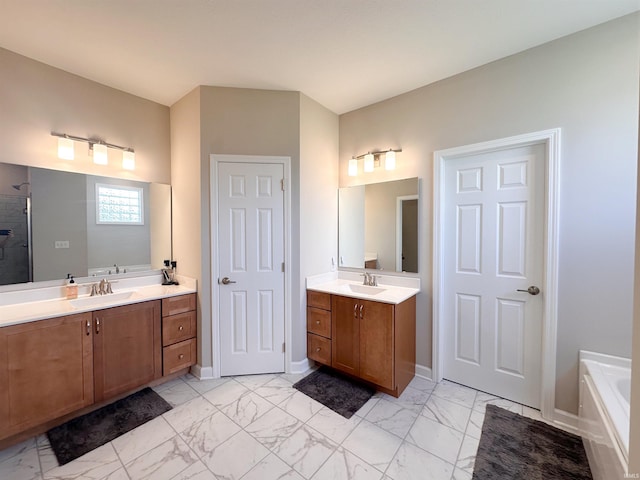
(605, 385)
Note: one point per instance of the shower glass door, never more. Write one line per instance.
(15, 262)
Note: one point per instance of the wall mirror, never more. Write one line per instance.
(378, 226)
(53, 223)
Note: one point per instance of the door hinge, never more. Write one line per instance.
(282, 267)
(283, 183)
(284, 349)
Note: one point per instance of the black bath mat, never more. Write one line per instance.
(83, 434)
(513, 446)
(337, 392)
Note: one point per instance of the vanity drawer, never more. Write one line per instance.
(178, 327)
(319, 348)
(319, 321)
(178, 356)
(179, 304)
(319, 300)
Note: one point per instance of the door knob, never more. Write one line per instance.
(226, 281)
(532, 290)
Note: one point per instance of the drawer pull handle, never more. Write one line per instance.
(181, 356)
(317, 322)
(318, 349)
(180, 328)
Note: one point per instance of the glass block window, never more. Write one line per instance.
(119, 205)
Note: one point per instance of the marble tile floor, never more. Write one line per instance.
(260, 428)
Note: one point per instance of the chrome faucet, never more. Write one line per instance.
(369, 279)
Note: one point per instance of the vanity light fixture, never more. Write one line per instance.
(97, 148)
(372, 160)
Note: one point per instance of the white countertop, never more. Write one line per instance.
(20, 306)
(391, 288)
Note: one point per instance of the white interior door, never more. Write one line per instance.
(492, 253)
(251, 259)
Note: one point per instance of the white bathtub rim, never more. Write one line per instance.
(616, 407)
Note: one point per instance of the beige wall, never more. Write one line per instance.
(186, 197)
(225, 121)
(318, 204)
(586, 84)
(36, 99)
(220, 120)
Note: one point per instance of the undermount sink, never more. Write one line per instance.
(101, 299)
(366, 289)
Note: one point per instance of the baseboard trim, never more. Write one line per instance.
(424, 372)
(202, 373)
(301, 366)
(566, 421)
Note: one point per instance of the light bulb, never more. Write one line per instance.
(368, 162)
(100, 154)
(390, 160)
(353, 167)
(128, 160)
(65, 148)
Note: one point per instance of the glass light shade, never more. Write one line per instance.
(65, 148)
(128, 160)
(390, 160)
(368, 162)
(353, 167)
(100, 154)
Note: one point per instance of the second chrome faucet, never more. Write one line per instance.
(370, 279)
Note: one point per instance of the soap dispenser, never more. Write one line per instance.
(72, 288)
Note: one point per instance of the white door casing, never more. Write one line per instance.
(478, 262)
(250, 249)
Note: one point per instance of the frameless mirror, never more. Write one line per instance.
(378, 226)
(53, 223)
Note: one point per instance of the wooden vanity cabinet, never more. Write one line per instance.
(319, 327)
(179, 330)
(127, 349)
(374, 341)
(46, 371)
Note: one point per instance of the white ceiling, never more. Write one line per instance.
(345, 54)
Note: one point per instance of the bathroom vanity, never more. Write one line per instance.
(368, 333)
(63, 364)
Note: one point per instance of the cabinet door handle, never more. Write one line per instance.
(97, 326)
(181, 356)
(318, 349)
(180, 328)
(88, 327)
(361, 309)
(317, 322)
(355, 311)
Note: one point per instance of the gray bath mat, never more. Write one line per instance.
(335, 391)
(88, 432)
(513, 446)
